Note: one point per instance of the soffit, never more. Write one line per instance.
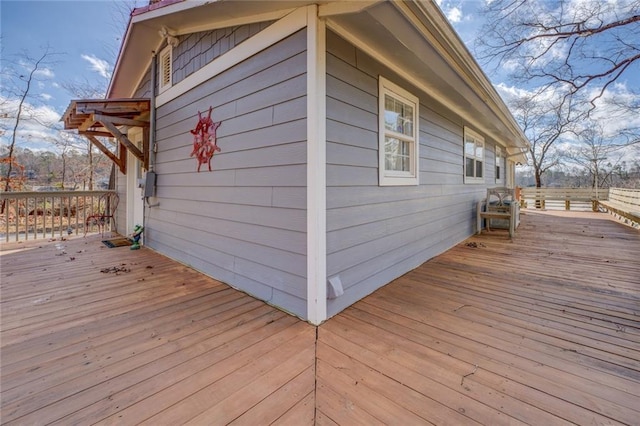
(385, 28)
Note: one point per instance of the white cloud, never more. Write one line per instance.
(46, 96)
(454, 14)
(39, 126)
(99, 65)
(44, 72)
(511, 93)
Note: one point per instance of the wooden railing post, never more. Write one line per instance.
(34, 215)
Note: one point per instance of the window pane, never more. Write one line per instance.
(469, 167)
(497, 172)
(397, 155)
(469, 148)
(398, 116)
(479, 169)
(479, 151)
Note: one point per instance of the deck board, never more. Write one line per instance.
(80, 346)
(542, 329)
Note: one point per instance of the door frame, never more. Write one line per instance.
(135, 175)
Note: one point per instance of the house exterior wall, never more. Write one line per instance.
(244, 223)
(198, 49)
(377, 233)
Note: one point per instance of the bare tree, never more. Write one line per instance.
(574, 47)
(544, 123)
(601, 155)
(21, 85)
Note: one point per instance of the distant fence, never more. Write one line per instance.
(563, 198)
(34, 215)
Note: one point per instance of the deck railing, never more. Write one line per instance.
(34, 215)
(624, 203)
(563, 198)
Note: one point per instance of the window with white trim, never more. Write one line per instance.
(165, 73)
(398, 135)
(499, 165)
(473, 157)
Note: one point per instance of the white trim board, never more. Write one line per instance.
(279, 30)
(316, 168)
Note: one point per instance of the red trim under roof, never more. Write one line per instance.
(154, 6)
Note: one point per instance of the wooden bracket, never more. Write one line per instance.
(120, 160)
(112, 118)
(111, 127)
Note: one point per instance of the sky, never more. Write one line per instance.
(86, 37)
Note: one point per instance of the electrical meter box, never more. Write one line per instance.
(149, 184)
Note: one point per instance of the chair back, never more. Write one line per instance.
(500, 197)
(108, 204)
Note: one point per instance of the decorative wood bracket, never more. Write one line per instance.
(106, 117)
(120, 160)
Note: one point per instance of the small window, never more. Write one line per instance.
(165, 74)
(499, 165)
(398, 132)
(473, 157)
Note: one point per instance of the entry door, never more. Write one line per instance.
(135, 202)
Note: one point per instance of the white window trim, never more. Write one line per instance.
(391, 178)
(500, 162)
(475, 135)
(168, 50)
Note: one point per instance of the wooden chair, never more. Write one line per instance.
(499, 204)
(107, 206)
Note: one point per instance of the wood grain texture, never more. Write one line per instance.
(544, 329)
(541, 329)
(80, 346)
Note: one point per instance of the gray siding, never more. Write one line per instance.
(198, 49)
(376, 234)
(245, 222)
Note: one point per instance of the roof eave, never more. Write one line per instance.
(474, 75)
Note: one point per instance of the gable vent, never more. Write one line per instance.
(165, 69)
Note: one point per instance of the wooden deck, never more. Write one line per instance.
(154, 343)
(544, 329)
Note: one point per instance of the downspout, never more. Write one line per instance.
(152, 112)
(153, 147)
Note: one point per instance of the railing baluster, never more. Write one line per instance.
(56, 208)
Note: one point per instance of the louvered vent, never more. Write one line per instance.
(165, 68)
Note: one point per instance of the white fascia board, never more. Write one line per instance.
(316, 168)
(279, 30)
(471, 72)
(119, 59)
(344, 7)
